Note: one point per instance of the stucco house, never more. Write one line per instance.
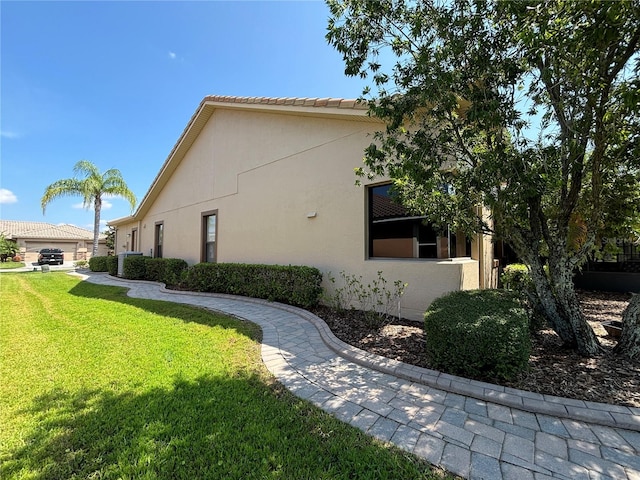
(31, 237)
(271, 180)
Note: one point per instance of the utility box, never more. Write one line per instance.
(121, 257)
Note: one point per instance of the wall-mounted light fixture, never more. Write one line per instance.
(312, 214)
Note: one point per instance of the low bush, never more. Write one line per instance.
(134, 267)
(479, 334)
(98, 264)
(517, 278)
(166, 270)
(112, 265)
(154, 269)
(294, 285)
(81, 264)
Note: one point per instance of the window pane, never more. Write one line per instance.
(210, 252)
(394, 232)
(211, 228)
(209, 238)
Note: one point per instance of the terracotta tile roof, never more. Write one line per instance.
(384, 207)
(14, 229)
(291, 101)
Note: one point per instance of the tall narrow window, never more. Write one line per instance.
(209, 232)
(159, 240)
(134, 240)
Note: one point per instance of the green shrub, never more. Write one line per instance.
(517, 278)
(81, 264)
(294, 285)
(480, 334)
(112, 265)
(173, 271)
(134, 267)
(98, 264)
(165, 270)
(154, 269)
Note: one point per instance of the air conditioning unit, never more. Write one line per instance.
(121, 257)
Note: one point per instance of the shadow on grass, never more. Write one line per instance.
(180, 311)
(214, 427)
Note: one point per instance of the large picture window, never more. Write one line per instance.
(209, 236)
(395, 233)
(159, 240)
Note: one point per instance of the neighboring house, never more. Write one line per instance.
(31, 237)
(265, 180)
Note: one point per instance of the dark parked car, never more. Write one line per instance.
(51, 256)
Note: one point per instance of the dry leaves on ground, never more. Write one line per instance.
(553, 370)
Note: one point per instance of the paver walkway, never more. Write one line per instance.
(473, 429)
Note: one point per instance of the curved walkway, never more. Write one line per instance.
(473, 429)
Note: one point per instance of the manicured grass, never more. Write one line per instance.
(98, 385)
(10, 265)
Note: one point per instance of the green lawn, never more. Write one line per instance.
(10, 265)
(97, 385)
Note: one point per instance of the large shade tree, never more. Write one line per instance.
(92, 185)
(530, 108)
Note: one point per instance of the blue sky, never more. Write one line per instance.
(116, 83)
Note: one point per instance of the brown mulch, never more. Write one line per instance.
(553, 370)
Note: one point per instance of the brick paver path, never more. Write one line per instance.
(473, 429)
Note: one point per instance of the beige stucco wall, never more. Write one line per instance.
(265, 174)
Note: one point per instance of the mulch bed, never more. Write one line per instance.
(553, 370)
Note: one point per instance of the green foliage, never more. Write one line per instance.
(81, 264)
(134, 267)
(515, 277)
(92, 185)
(478, 334)
(379, 303)
(538, 122)
(112, 265)
(294, 285)
(110, 238)
(98, 264)
(166, 270)
(7, 247)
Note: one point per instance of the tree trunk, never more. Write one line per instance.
(559, 303)
(629, 344)
(562, 274)
(548, 305)
(97, 206)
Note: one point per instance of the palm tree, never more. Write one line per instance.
(92, 187)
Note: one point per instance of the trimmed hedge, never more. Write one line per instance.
(134, 267)
(165, 270)
(98, 264)
(480, 334)
(112, 265)
(294, 285)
